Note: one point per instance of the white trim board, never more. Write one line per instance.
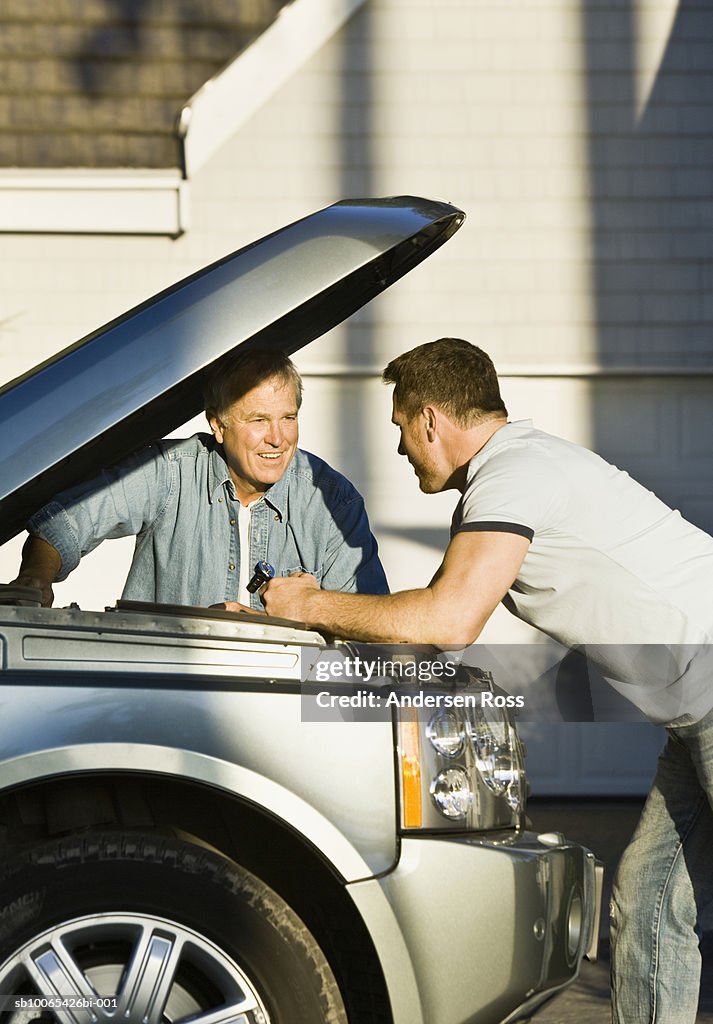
(85, 201)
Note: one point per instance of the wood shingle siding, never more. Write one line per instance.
(99, 83)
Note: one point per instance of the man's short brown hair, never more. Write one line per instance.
(450, 373)
(238, 372)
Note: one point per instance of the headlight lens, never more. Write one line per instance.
(498, 756)
(452, 793)
(493, 751)
(447, 733)
(515, 793)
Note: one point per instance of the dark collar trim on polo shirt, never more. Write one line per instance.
(496, 527)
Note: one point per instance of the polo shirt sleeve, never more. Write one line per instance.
(519, 491)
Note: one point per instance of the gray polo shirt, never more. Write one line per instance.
(609, 566)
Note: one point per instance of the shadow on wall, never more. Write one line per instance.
(650, 154)
(126, 69)
(356, 162)
(209, 32)
(652, 191)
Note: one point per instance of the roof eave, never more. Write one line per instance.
(223, 104)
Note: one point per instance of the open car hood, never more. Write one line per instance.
(141, 376)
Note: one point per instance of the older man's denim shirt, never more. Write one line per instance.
(177, 498)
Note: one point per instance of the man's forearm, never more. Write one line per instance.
(360, 616)
(451, 611)
(411, 616)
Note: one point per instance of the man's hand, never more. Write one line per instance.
(40, 567)
(235, 606)
(45, 588)
(288, 597)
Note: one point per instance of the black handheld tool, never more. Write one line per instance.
(263, 573)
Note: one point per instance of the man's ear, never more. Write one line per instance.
(430, 416)
(216, 426)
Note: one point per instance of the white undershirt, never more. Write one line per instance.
(246, 570)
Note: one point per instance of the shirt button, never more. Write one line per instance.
(220, 500)
(277, 517)
(231, 566)
(232, 522)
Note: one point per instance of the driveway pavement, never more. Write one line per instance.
(605, 827)
(587, 1000)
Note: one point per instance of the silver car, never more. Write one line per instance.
(187, 833)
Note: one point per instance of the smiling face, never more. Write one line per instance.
(259, 434)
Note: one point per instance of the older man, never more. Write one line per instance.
(573, 546)
(206, 509)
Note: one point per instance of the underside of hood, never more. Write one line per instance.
(141, 376)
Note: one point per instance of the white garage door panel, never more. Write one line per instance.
(592, 758)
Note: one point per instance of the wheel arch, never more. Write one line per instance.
(72, 798)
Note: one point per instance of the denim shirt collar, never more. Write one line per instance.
(219, 474)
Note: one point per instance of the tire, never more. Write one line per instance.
(161, 929)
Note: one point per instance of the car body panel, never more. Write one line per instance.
(506, 899)
(510, 936)
(84, 760)
(141, 376)
(190, 698)
(466, 929)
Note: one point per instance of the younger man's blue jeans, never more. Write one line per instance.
(664, 880)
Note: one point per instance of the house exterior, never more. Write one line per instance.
(577, 138)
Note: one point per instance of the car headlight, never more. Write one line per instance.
(447, 733)
(452, 793)
(461, 767)
(493, 749)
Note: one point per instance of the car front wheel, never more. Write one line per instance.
(154, 930)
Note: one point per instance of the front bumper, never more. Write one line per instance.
(491, 929)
